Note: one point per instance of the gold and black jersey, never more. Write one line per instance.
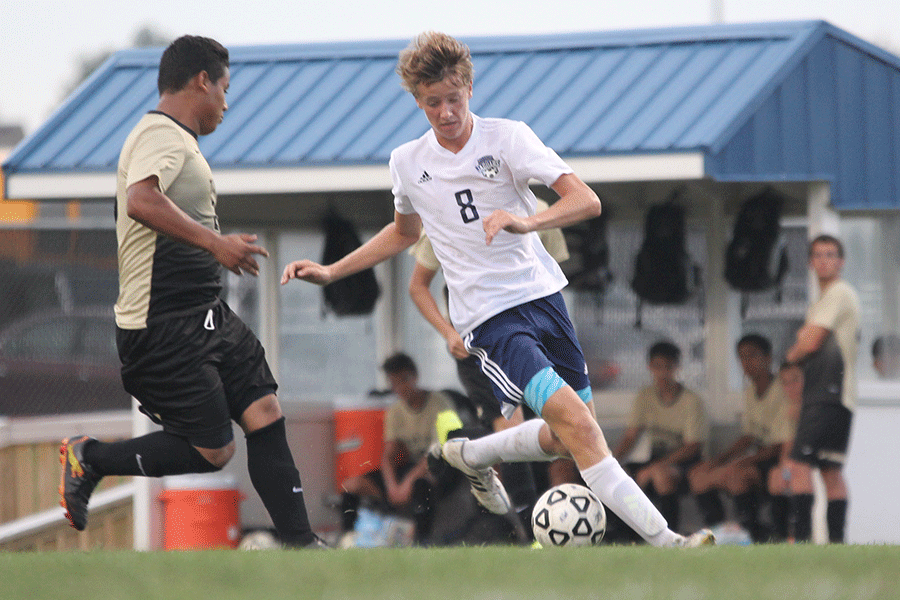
(159, 276)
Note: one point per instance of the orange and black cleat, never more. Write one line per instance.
(77, 481)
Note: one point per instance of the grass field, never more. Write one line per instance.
(478, 573)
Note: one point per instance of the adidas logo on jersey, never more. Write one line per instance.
(425, 178)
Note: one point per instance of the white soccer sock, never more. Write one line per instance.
(622, 495)
(516, 444)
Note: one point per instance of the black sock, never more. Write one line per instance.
(801, 516)
(836, 515)
(152, 455)
(422, 510)
(670, 508)
(349, 508)
(277, 481)
(518, 478)
(746, 506)
(780, 508)
(711, 509)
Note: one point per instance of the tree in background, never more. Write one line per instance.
(146, 37)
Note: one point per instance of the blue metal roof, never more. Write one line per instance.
(789, 101)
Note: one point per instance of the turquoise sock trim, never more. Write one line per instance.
(544, 384)
(585, 394)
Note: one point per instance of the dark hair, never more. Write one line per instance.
(754, 339)
(666, 350)
(885, 343)
(187, 56)
(827, 239)
(398, 363)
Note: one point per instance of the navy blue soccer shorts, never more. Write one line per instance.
(518, 343)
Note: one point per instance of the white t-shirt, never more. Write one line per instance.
(452, 193)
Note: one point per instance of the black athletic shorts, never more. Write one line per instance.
(195, 373)
(823, 431)
(823, 426)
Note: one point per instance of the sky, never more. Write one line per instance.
(42, 42)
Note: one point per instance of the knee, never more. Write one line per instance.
(352, 485)
(261, 413)
(553, 445)
(665, 481)
(218, 457)
(697, 481)
(586, 433)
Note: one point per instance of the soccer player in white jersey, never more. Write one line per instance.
(466, 183)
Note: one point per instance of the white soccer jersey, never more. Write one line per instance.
(452, 193)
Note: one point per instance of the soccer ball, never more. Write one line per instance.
(568, 515)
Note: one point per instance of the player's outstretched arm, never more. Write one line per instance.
(147, 205)
(393, 239)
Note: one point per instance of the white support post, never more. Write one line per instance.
(148, 513)
(269, 285)
(821, 219)
(718, 315)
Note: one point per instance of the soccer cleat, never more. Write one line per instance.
(486, 486)
(77, 482)
(704, 537)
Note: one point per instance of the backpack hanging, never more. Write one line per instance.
(663, 271)
(588, 267)
(356, 294)
(756, 258)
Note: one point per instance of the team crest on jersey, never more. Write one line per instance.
(488, 166)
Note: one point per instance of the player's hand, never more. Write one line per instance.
(456, 346)
(306, 270)
(500, 219)
(236, 253)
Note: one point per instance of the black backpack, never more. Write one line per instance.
(663, 270)
(356, 294)
(756, 258)
(588, 267)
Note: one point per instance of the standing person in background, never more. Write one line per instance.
(193, 365)
(675, 420)
(826, 348)
(518, 478)
(466, 182)
(742, 470)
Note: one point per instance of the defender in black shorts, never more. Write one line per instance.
(190, 362)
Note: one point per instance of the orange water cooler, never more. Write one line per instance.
(201, 511)
(358, 437)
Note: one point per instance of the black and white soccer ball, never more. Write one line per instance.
(568, 515)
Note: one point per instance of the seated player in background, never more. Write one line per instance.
(675, 420)
(743, 468)
(403, 480)
(790, 481)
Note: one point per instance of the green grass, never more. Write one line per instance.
(476, 573)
